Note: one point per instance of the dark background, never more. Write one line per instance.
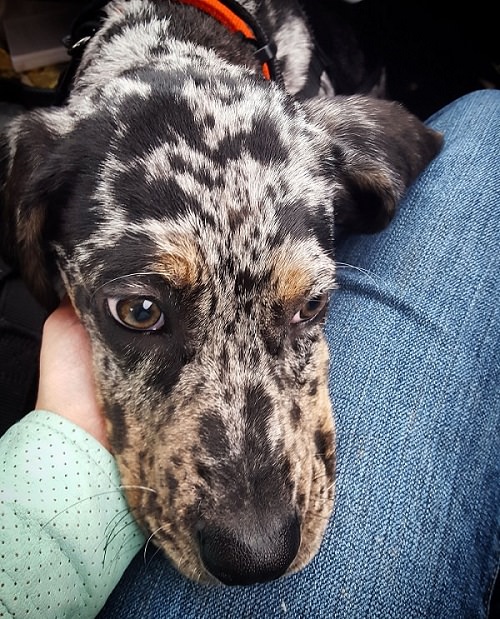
(433, 52)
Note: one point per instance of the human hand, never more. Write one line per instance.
(66, 385)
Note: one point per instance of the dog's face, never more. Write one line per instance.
(193, 229)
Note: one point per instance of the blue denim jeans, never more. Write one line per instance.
(414, 335)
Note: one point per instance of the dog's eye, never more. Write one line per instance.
(310, 309)
(141, 314)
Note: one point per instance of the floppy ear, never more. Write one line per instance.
(29, 184)
(378, 150)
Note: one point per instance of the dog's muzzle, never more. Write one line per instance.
(249, 553)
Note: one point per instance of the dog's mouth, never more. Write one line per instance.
(236, 525)
(245, 549)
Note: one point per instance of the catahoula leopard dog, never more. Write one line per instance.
(184, 195)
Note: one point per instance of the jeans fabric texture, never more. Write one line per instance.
(415, 381)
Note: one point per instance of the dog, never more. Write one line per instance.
(185, 196)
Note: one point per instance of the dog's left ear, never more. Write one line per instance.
(378, 150)
(30, 182)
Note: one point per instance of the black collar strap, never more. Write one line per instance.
(237, 19)
(86, 24)
(228, 12)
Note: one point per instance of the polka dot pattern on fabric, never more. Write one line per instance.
(66, 535)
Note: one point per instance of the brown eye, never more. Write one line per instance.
(140, 314)
(310, 309)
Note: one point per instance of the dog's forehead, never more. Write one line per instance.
(234, 167)
(213, 128)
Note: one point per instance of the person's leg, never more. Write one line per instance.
(415, 363)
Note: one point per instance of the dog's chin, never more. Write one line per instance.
(210, 553)
(189, 563)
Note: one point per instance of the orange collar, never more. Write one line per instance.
(228, 12)
(237, 19)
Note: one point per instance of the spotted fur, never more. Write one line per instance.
(177, 175)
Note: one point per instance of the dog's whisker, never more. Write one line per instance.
(320, 476)
(373, 277)
(321, 517)
(116, 532)
(124, 543)
(79, 502)
(197, 575)
(149, 540)
(156, 552)
(356, 267)
(114, 536)
(195, 572)
(137, 487)
(115, 522)
(121, 278)
(329, 486)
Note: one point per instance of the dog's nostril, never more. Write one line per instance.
(245, 558)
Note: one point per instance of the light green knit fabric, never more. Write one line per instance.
(66, 535)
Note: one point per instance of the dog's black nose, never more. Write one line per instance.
(248, 557)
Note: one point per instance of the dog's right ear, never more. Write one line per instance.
(29, 183)
(377, 150)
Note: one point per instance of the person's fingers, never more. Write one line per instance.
(66, 384)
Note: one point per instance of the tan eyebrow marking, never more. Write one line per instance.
(292, 282)
(180, 263)
(300, 270)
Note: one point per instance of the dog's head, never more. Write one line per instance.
(192, 225)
